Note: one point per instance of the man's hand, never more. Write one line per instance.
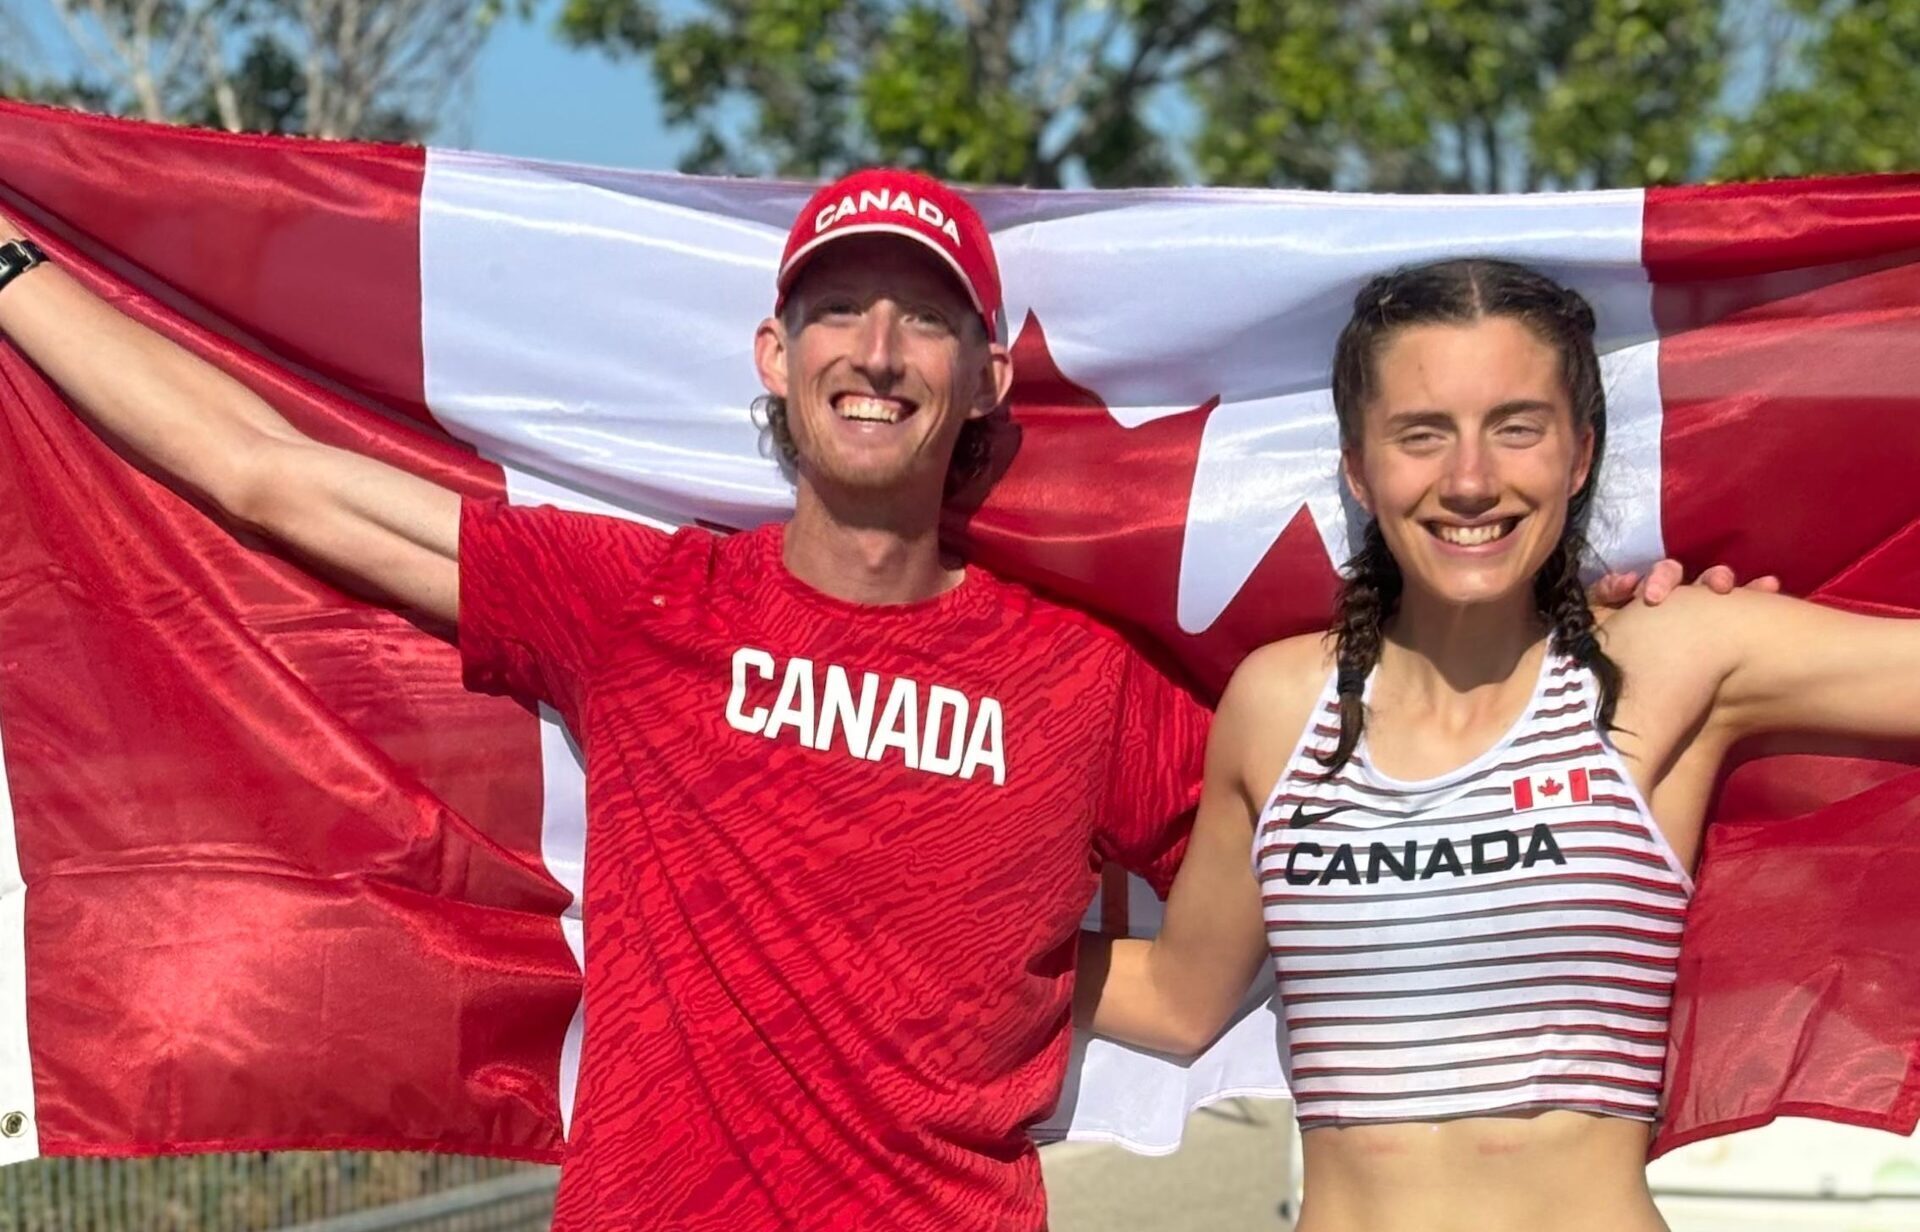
(393, 530)
(1620, 589)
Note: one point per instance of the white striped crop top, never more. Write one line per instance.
(1499, 939)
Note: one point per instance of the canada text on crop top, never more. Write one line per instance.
(1502, 938)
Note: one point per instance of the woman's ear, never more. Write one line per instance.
(1351, 471)
(1583, 459)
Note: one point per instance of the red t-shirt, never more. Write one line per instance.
(837, 857)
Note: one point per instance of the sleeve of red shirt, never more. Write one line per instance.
(1154, 773)
(539, 587)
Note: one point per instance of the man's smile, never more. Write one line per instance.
(872, 408)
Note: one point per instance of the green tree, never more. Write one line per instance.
(1845, 100)
(1462, 95)
(1390, 95)
(1039, 92)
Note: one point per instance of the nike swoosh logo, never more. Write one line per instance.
(1302, 818)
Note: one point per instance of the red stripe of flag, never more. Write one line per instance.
(224, 771)
(1789, 316)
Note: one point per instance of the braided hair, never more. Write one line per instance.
(1460, 292)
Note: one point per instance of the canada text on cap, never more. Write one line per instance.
(903, 203)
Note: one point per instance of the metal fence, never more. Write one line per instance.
(346, 1191)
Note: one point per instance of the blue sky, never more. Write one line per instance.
(535, 97)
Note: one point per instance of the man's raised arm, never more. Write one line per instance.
(396, 532)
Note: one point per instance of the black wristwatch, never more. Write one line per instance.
(16, 258)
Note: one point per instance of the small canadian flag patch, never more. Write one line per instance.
(1548, 790)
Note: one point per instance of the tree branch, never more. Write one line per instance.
(1149, 68)
(1091, 63)
(226, 99)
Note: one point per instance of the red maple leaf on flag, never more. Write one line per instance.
(1096, 512)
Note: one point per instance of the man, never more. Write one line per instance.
(847, 796)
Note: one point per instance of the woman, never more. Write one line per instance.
(1473, 812)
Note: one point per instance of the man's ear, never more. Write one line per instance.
(770, 355)
(996, 381)
(1351, 471)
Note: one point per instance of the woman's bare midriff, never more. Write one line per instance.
(1550, 1172)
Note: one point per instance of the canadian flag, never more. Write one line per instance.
(1549, 790)
(270, 878)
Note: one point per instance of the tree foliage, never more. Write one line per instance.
(1462, 95)
(1395, 95)
(1018, 91)
(1843, 100)
(1388, 95)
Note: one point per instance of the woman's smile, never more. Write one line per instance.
(1483, 538)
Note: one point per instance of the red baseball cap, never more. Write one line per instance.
(904, 203)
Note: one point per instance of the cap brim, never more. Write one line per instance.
(792, 268)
